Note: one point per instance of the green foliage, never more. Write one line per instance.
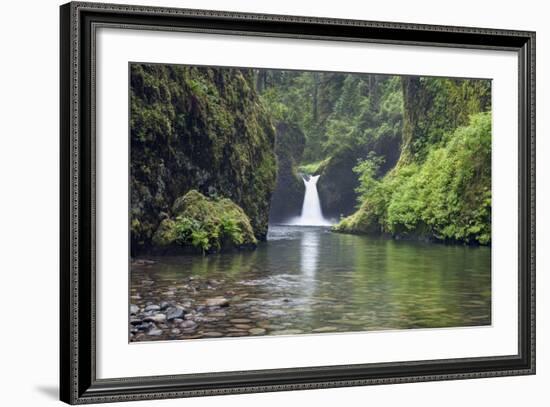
(205, 224)
(435, 107)
(230, 229)
(335, 111)
(314, 168)
(367, 171)
(369, 111)
(447, 197)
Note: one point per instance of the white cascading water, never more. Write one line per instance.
(311, 208)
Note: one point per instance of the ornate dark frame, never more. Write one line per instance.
(78, 382)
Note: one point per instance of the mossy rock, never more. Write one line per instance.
(204, 225)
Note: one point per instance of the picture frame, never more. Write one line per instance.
(79, 382)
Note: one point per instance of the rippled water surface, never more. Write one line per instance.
(310, 280)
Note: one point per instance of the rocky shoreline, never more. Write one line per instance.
(196, 308)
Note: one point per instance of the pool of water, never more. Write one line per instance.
(310, 280)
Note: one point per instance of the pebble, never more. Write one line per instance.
(217, 302)
(217, 314)
(242, 326)
(152, 307)
(288, 332)
(134, 309)
(325, 329)
(155, 318)
(240, 321)
(257, 331)
(175, 331)
(212, 334)
(188, 324)
(154, 332)
(174, 312)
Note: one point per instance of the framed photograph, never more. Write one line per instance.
(255, 203)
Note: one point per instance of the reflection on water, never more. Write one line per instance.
(309, 280)
(309, 255)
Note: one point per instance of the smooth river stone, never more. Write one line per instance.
(212, 334)
(236, 330)
(242, 326)
(217, 302)
(155, 318)
(174, 313)
(288, 332)
(240, 321)
(152, 307)
(187, 324)
(217, 314)
(134, 309)
(154, 332)
(325, 329)
(256, 331)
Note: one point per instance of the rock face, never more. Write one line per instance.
(197, 128)
(289, 191)
(336, 185)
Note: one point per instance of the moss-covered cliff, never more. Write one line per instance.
(197, 128)
(440, 188)
(433, 107)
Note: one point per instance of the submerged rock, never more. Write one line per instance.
(257, 331)
(154, 332)
(155, 318)
(212, 334)
(174, 313)
(217, 302)
(187, 324)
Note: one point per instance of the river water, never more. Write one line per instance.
(311, 280)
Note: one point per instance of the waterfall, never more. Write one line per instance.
(312, 214)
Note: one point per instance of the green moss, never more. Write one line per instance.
(165, 234)
(447, 197)
(314, 168)
(435, 107)
(206, 225)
